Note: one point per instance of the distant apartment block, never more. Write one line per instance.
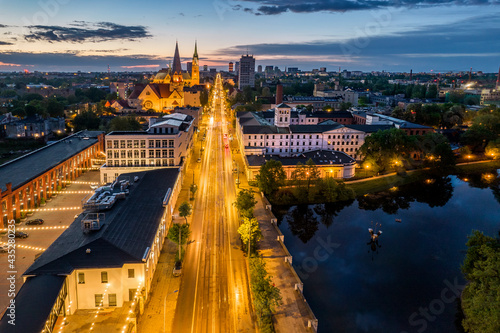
(246, 76)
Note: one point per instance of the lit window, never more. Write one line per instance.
(104, 277)
(81, 278)
(131, 273)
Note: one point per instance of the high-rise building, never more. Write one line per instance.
(259, 69)
(189, 66)
(231, 67)
(498, 79)
(246, 75)
(205, 68)
(237, 67)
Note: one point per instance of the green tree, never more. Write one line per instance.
(344, 106)
(265, 294)
(54, 108)
(383, 148)
(249, 230)
(193, 188)
(185, 210)
(271, 177)
(432, 91)
(481, 297)
(127, 123)
(493, 149)
(245, 202)
(86, 120)
(173, 233)
(436, 150)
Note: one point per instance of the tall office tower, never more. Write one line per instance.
(189, 66)
(231, 68)
(259, 69)
(246, 75)
(237, 67)
(498, 79)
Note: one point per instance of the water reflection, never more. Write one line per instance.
(489, 180)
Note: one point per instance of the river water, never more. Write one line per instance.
(407, 279)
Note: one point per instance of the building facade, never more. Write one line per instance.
(35, 177)
(166, 144)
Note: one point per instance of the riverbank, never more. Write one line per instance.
(387, 181)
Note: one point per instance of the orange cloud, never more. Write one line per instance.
(141, 66)
(9, 65)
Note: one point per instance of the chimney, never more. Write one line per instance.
(279, 93)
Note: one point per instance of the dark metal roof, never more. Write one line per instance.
(26, 168)
(263, 129)
(129, 229)
(319, 157)
(34, 301)
(313, 128)
(370, 128)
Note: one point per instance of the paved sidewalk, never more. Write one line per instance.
(292, 315)
(160, 309)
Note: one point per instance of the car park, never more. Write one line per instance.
(20, 234)
(34, 221)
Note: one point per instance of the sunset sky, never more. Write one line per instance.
(70, 35)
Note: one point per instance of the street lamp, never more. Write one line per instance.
(367, 166)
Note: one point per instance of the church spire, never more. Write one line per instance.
(176, 67)
(195, 55)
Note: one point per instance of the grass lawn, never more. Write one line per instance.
(385, 183)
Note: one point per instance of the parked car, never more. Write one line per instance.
(177, 269)
(94, 186)
(199, 160)
(20, 234)
(4, 248)
(34, 221)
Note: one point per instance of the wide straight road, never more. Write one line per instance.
(214, 295)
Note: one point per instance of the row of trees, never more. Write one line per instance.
(266, 296)
(434, 115)
(392, 148)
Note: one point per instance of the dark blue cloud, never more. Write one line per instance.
(74, 61)
(275, 7)
(81, 31)
(473, 40)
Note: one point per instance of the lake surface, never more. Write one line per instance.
(407, 280)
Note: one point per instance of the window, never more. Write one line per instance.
(171, 143)
(117, 154)
(136, 143)
(122, 143)
(129, 143)
(98, 300)
(158, 144)
(131, 273)
(170, 153)
(112, 299)
(116, 144)
(164, 143)
(151, 144)
(104, 277)
(164, 153)
(81, 278)
(151, 154)
(143, 154)
(123, 154)
(143, 143)
(110, 154)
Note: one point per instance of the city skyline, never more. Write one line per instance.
(63, 35)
